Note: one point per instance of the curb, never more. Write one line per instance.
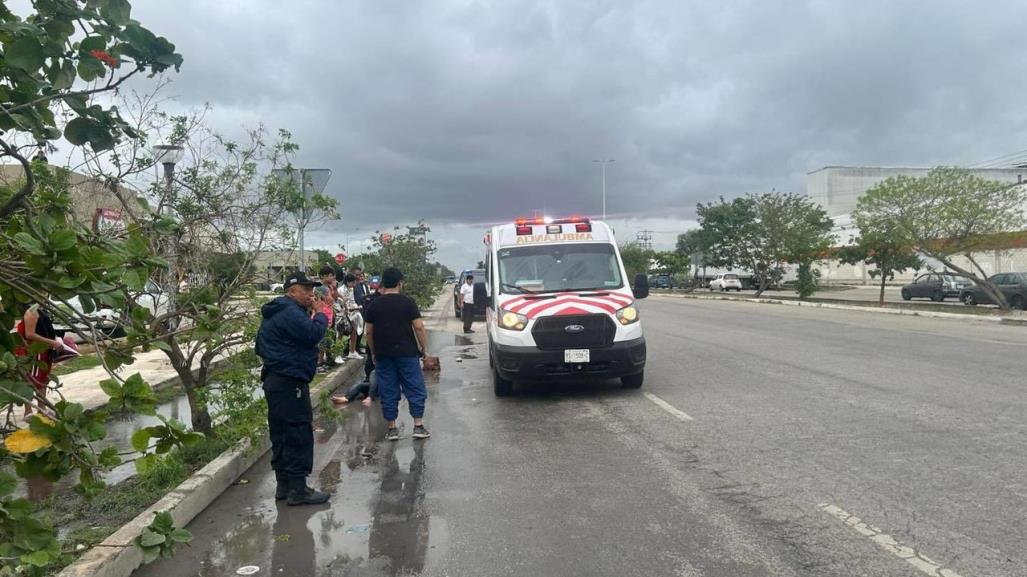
(888, 311)
(117, 556)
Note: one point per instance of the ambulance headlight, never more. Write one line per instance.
(512, 321)
(627, 315)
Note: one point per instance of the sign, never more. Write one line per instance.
(572, 236)
(386, 238)
(340, 258)
(108, 221)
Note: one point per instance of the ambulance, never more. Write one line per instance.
(559, 304)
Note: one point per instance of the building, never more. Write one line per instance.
(838, 188)
(93, 202)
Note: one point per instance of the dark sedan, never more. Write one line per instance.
(1012, 284)
(936, 286)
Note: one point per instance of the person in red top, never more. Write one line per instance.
(324, 303)
(36, 326)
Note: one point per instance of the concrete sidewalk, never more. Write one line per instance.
(83, 386)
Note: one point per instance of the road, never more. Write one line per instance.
(768, 441)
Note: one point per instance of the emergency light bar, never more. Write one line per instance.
(525, 226)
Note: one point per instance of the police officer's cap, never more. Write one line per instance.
(300, 279)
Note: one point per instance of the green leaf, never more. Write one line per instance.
(7, 483)
(150, 538)
(163, 522)
(25, 53)
(181, 536)
(109, 457)
(116, 11)
(150, 554)
(70, 282)
(30, 243)
(89, 68)
(65, 76)
(72, 411)
(77, 131)
(37, 558)
(111, 387)
(141, 441)
(63, 240)
(145, 464)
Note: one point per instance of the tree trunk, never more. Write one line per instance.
(884, 280)
(762, 286)
(201, 421)
(982, 281)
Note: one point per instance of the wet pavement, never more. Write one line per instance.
(591, 479)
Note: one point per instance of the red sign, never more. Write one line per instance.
(386, 238)
(340, 258)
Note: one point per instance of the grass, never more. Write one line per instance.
(77, 364)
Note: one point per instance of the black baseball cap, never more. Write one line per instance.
(300, 279)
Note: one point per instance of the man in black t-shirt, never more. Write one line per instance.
(396, 339)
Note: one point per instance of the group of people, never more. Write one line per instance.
(290, 343)
(345, 307)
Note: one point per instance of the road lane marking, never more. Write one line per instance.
(668, 407)
(889, 543)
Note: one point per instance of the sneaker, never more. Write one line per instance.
(420, 432)
(392, 434)
(307, 496)
(356, 356)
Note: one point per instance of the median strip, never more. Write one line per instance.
(681, 415)
(889, 543)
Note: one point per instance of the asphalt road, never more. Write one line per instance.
(768, 440)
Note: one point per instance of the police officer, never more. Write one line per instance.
(287, 342)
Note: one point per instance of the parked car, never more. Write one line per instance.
(450, 280)
(936, 286)
(107, 320)
(661, 281)
(1012, 284)
(726, 282)
(479, 276)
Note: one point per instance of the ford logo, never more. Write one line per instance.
(574, 329)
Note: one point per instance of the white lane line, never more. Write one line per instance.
(668, 407)
(889, 543)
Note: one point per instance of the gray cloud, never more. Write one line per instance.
(466, 112)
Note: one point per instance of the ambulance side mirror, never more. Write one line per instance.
(641, 288)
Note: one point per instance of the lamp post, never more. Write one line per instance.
(168, 155)
(604, 162)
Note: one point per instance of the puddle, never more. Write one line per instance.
(376, 523)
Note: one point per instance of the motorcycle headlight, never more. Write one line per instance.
(512, 321)
(627, 315)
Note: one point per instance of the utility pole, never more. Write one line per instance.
(644, 238)
(309, 181)
(604, 163)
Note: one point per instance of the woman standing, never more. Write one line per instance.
(36, 326)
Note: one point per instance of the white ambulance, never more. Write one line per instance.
(559, 304)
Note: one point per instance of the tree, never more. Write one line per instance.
(637, 260)
(882, 249)
(411, 255)
(221, 208)
(950, 212)
(56, 61)
(763, 233)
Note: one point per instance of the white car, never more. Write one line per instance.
(726, 282)
(107, 320)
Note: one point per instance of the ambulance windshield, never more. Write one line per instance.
(558, 267)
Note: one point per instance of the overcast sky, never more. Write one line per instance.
(466, 113)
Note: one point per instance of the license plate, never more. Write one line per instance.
(576, 356)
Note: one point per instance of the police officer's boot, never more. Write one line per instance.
(301, 494)
(282, 487)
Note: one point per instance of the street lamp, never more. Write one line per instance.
(604, 162)
(168, 155)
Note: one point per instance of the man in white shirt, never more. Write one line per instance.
(467, 303)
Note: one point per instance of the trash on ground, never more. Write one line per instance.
(364, 528)
(247, 570)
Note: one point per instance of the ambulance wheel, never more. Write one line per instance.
(633, 381)
(502, 387)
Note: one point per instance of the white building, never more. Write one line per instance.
(837, 189)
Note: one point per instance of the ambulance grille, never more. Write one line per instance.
(551, 333)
